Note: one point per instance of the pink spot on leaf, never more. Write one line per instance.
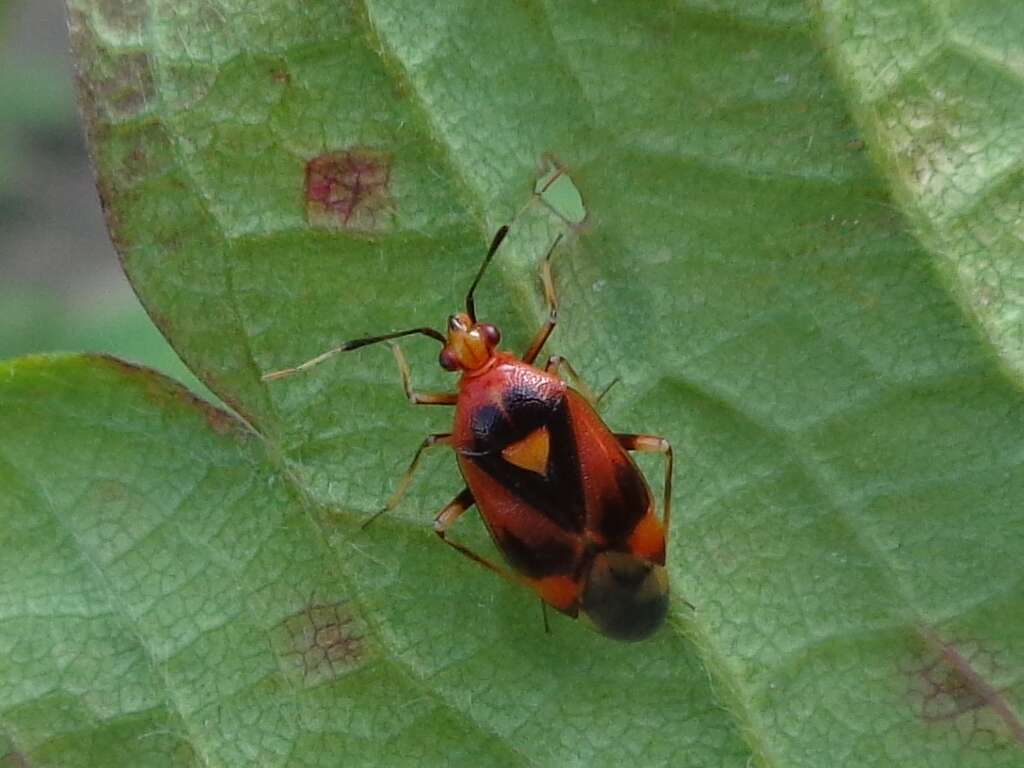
(350, 190)
(950, 687)
(321, 642)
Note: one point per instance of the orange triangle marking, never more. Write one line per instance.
(531, 452)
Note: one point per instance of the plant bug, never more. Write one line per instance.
(563, 500)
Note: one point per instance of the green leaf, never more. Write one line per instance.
(172, 598)
(848, 443)
(938, 88)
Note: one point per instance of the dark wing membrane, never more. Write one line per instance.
(557, 493)
(618, 510)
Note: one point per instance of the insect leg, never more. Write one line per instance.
(447, 517)
(552, 298)
(419, 398)
(544, 613)
(403, 485)
(559, 366)
(654, 444)
(557, 362)
(607, 389)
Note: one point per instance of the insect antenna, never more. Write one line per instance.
(499, 236)
(348, 346)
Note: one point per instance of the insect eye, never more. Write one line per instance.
(491, 334)
(447, 360)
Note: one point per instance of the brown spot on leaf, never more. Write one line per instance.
(219, 421)
(112, 85)
(948, 687)
(349, 190)
(14, 759)
(162, 390)
(321, 642)
(233, 402)
(208, 377)
(127, 17)
(139, 152)
(110, 491)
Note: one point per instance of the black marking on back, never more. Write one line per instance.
(549, 557)
(558, 495)
(618, 514)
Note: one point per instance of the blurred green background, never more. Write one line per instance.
(61, 286)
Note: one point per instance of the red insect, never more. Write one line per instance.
(561, 496)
